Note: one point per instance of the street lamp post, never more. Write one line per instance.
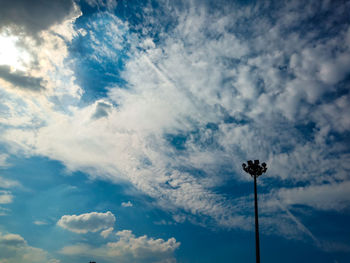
(255, 170)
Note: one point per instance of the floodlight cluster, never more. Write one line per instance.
(254, 168)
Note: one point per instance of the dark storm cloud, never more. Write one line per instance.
(19, 79)
(34, 15)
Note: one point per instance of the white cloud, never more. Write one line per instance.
(335, 247)
(12, 240)
(8, 183)
(108, 4)
(334, 196)
(6, 197)
(256, 88)
(4, 211)
(3, 160)
(40, 223)
(127, 204)
(14, 249)
(89, 222)
(107, 232)
(334, 116)
(129, 248)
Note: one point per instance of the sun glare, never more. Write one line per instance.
(12, 55)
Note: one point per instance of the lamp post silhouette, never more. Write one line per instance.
(255, 170)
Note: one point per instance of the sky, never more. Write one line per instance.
(124, 126)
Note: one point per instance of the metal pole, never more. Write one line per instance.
(257, 245)
(255, 170)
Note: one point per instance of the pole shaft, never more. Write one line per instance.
(257, 246)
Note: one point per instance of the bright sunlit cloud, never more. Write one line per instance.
(11, 54)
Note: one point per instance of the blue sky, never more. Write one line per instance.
(124, 125)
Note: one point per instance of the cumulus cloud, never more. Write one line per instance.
(14, 249)
(12, 240)
(129, 248)
(89, 222)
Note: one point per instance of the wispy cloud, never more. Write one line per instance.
(3, 160)
(324, 197)
(8, 183)
(40, 223)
